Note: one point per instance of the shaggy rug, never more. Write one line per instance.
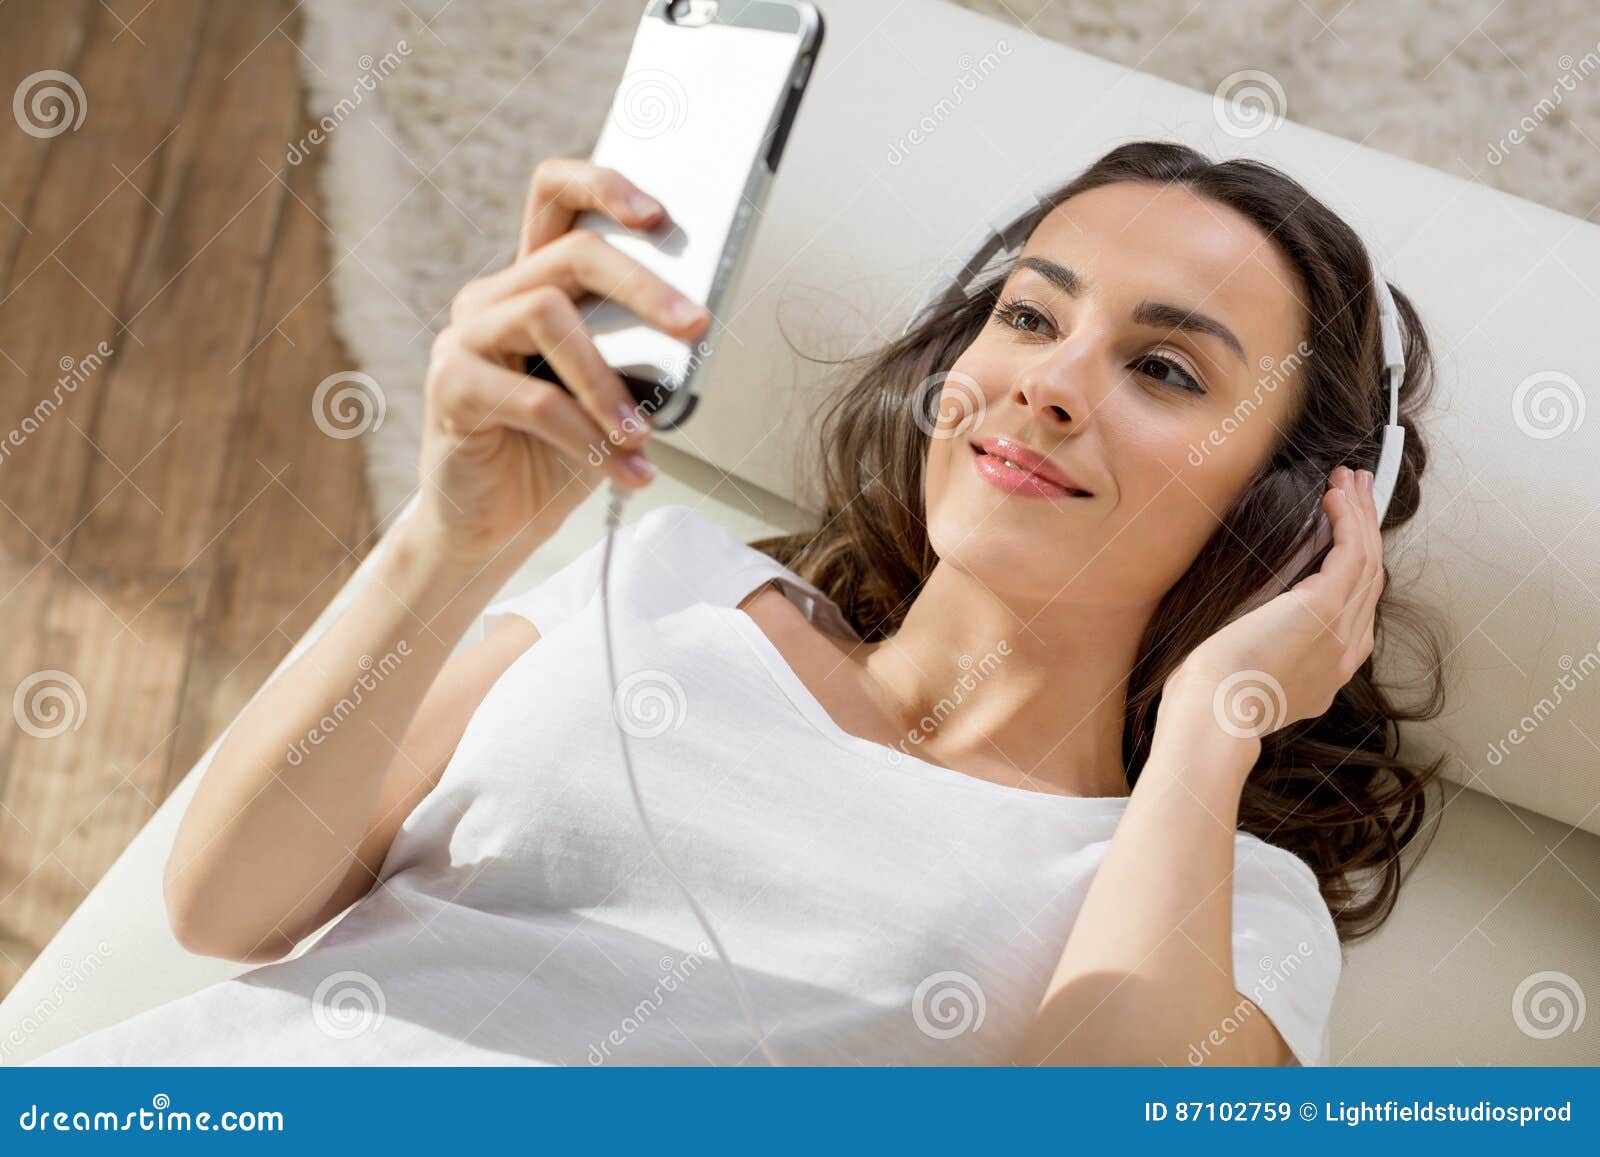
(434, 111)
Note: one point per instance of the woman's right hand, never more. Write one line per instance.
(507, 457)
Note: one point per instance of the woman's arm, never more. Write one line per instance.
(1147, 973)
(302, 801)
(298, 809)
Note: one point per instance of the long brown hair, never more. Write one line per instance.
(1333, 790)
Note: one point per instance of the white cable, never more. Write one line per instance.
(615, 499)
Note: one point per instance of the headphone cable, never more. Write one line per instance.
(614, 503)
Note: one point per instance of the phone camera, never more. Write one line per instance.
(692, 12)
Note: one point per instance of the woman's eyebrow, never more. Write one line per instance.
(1151, 313)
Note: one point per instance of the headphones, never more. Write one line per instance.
(1008, 231)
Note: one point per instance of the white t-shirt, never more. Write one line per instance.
(880, 909)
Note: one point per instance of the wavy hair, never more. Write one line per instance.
(1334, 790)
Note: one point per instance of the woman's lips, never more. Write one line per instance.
(1017, 470)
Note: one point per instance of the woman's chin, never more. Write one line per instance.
(996, 547)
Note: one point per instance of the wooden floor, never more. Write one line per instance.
(171, 516)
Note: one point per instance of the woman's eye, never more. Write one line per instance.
(1023, 318)
(1168, 371)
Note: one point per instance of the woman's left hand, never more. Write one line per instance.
(1286, 660)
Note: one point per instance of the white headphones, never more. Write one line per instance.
(1008, 232)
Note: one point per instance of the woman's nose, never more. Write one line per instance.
(1064, 388)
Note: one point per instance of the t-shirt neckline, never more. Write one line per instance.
(811, 709)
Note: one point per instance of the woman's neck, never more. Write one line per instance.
(1031, 696)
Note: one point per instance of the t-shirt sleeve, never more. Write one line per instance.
(1286, 953)
(563, 593)
(670, 557)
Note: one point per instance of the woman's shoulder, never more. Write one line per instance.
(687, 535)
(671, 557)
(681, 543)
(1278, 893)
(688, 553)
(1286, 951)
(1270, 868)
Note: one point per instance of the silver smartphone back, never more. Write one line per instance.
(699, 122)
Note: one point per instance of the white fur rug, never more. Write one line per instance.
(436, 110)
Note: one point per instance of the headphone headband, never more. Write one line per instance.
(1009, 230)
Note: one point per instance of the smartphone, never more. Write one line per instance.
(699, 122)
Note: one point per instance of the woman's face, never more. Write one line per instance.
(1143, 349)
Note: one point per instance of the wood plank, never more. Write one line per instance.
(84, 230)
(74, 799)
(163, 435)
(306, 518)
(35, 35)
(25, 589)
(115, 621)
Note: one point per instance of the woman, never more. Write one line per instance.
(961, 776)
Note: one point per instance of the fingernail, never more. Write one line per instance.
(1366, 481)
(685, 311)
(644, 206)
(628, 420)
(639, 466)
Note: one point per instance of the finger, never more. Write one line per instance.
(583, 263)
(1361, 627)
(580, 264)
(1352, 624)
(562, 187)
(488, 395)
(545, 321)
(1337, 579)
